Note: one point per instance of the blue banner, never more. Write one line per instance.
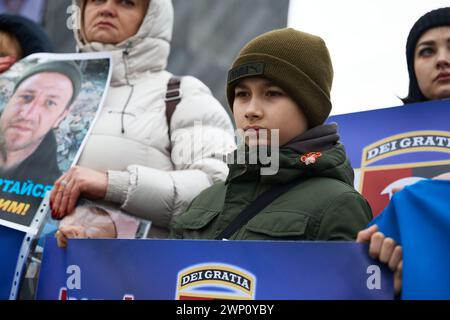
(360, 129)
(395, 147)
(192, 270)
(10, 243)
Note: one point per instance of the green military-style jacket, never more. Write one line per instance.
(325, 206)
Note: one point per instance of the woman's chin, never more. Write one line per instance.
(104, 38)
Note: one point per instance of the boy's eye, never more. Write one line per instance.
(240, 93)
(274, 93)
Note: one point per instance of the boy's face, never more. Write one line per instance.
(259, 104)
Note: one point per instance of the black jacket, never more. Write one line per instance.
(40, 169)
(41, 166)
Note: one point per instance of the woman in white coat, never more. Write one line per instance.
(135, 159)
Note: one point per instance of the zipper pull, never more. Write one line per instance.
(127, 48)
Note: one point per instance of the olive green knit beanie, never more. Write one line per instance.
(68, 68)
(296, 61)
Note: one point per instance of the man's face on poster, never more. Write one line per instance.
(39, 104)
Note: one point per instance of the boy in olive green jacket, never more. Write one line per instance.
(279, 87)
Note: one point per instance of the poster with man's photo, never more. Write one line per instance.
(48, 104)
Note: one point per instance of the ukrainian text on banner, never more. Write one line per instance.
(189, 269)
(395, 147)
(48, 105)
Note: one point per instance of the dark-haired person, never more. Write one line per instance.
(20, 37)
(428, 59)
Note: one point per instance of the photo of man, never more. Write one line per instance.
(41, 100)
(48, 103)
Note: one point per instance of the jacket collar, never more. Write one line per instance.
(296, 159)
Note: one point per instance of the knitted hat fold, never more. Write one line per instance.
(296, 61)
(67, 68)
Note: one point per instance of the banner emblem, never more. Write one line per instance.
(212, 281)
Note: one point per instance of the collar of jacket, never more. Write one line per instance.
(147, 51)
(332, 163)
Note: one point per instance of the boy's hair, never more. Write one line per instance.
(296, 61)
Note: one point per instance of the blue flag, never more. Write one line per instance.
(418, 218)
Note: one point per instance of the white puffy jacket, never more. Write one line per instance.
(130, 139)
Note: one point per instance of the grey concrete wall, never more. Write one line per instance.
(208, 34)
(54, 22)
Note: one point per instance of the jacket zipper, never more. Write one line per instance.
(125, 54)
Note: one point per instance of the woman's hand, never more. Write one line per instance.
(386, 250)
(76, 182)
